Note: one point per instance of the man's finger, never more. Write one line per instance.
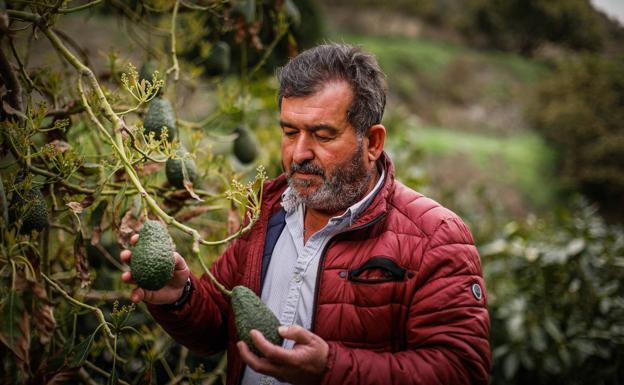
(180, 263)
(134, 239)
(258, 364)
(272, 352)
(296, 333)
(137, 295)
(125, 256)
(127, 277)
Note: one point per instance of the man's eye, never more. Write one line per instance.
(290, 134)
(322, 138)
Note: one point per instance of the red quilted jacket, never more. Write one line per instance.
(419, 317)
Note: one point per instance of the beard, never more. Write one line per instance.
(346, 186)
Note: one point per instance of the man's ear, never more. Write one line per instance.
(376, 136)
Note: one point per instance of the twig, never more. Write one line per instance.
(65, 228)
(138, 18)
(166, 366)
(26, 16)
(194, 6)
(70, 109)
(80, 7)
(103, 372)
(85, 377)
(176, 380)
(268, 52)
(104, 295)
(182, 358)
(71, 299)
(214, 280)
(5, 204)
(14, 90)
(73, 44)
(20, 65)
(68, 185)
(175, 68)
(133, 143)
(218, 371)
(134, 35)
(109, 257)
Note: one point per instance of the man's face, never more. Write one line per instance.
(323, 158)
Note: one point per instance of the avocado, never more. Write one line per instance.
(245, 145)
(251, 313)
(245, 9)
(160, 114)
(147, 70)
(178, 167)
(218, 62)
(152, 260)
(31, 206)
(292, 12)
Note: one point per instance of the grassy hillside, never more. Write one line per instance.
(456, 123)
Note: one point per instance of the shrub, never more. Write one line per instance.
(556, 299)
(581, 111)
(523, 25)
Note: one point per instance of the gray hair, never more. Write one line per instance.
(309, 71)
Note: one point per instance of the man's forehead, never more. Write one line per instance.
(331, 99)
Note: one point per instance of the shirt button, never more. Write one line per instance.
(297, 277)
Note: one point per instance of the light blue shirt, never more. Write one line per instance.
(290, 280)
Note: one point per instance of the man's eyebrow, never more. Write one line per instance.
(313, 128)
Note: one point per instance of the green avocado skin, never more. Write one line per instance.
(152, 260)
(36, 215)
(245, 146)
(160, 114)
(251, 313)
(147, 70)
(173, 168)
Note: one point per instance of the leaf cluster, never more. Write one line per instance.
(556, 299)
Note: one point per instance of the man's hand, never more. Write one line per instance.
(303, 364)
(168, 294)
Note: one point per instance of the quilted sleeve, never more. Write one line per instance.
(201, 324)
(447, 328)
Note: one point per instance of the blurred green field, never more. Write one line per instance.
(522, 161)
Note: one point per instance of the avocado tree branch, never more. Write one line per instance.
(269, 50)
(136, 18)
(70, 186)
(26, 16)
(20, 65)
(73, 300)
(12, 85)
(79, 8)
(175, 68)
(133, 143)
(119, 147)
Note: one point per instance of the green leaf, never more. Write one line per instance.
(14, 328)
(510, 365)
(98, 213)
(79, 353)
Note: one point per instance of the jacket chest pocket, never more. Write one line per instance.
(378, 282)
(375, 298)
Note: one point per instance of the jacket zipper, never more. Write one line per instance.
(322, 258)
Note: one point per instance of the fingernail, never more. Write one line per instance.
(282, 329)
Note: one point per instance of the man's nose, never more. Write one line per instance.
(303, 150)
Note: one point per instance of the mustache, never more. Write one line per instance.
(306, 168)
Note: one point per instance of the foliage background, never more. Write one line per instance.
(507, 112)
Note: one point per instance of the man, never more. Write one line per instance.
(373, 282)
